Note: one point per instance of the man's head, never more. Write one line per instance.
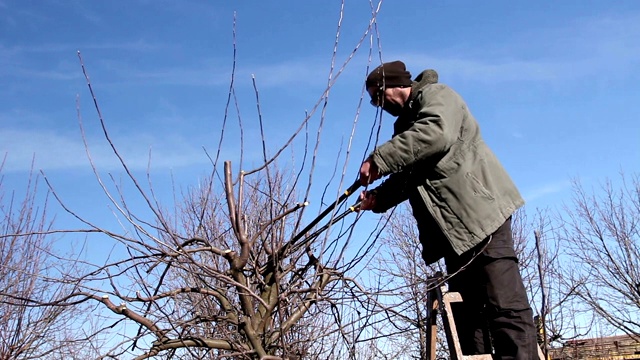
(389, 86)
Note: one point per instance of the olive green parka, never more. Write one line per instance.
(438, 160)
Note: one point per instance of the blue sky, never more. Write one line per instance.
(554, 84)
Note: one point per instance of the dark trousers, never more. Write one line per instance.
(495, 312)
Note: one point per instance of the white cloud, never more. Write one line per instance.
(291, 72)
(55, 151)
(17, 61)
(585, 48)
(497, 71)
(546, 189)
(192, 75)
(588, 47)
(211, 73)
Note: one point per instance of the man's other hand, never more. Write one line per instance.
(367, 200)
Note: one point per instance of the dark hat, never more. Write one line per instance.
(390, 74)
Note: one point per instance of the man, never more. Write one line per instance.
(462, 200)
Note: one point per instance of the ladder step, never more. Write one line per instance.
(440, 304)
(452, 297)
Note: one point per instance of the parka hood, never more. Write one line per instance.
(425, 78)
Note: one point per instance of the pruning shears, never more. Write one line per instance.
(355, 207)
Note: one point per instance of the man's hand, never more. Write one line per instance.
(367, 200)
(368, 172)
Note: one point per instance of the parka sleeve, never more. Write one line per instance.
(435, 130)
(390, 193)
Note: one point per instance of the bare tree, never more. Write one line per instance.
(403, 272)
(403, 276)
(231, 270)
(602, 236)
(228, 275)
(550, 288)
(30, 275)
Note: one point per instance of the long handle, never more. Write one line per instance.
(353, 208)
(315, 221)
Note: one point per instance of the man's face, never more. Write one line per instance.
(377, 95)
(381, 97)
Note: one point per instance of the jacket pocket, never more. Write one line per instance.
(468, 199)
(478, 188)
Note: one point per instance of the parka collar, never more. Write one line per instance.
(427, 77)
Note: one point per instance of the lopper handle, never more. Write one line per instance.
(350, 190)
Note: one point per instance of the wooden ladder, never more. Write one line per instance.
(439, 302)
